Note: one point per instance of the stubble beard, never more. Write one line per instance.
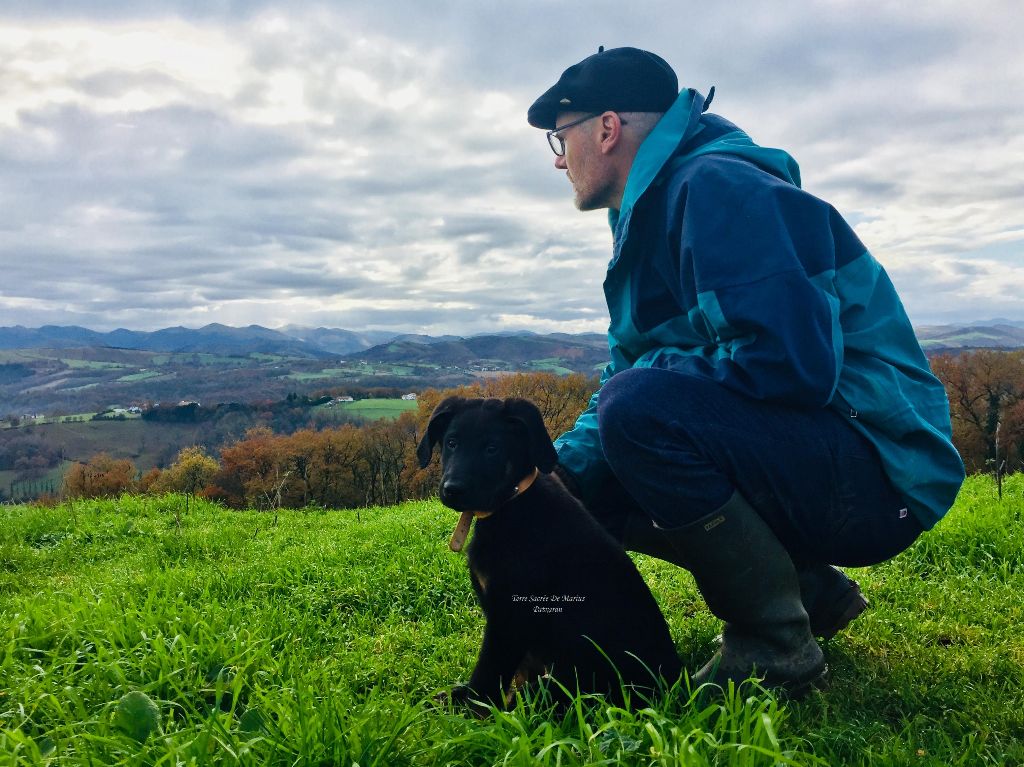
(588, 199)
(587, 195)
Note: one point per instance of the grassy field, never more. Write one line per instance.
(369, 409)
(377, 408)
(320, 637)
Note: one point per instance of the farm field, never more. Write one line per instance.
(319, 637)
(373, 409)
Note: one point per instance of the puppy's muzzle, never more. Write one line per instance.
(453, 493)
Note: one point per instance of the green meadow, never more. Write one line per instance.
(133, 632)
(367, 409)
(378, 408)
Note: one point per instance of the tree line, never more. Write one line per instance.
(348, 466)
(375, 464)
(986, 402)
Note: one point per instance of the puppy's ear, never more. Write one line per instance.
(541, 449)
(436, 427)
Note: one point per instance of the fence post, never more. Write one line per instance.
(999, 468)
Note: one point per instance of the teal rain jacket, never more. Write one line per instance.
(723, 267)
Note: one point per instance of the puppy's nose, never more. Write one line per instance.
(451, 491)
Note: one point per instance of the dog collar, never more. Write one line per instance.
(458, 538)
(524, 484)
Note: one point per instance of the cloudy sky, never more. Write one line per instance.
(368, 164)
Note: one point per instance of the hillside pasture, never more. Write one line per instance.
(364, 409)
(320, 637)
(552, 365)
(377, 408)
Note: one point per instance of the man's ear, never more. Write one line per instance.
(437, 426)
(542, 452)
(610, 131)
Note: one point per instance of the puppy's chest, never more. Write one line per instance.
(503, 568)
(499, 574)
(502, 571)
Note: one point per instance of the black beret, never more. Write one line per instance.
(616, 80)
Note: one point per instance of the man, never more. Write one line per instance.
(767, 411)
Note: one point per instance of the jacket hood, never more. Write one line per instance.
(685, 132)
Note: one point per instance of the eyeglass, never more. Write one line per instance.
(557, 143)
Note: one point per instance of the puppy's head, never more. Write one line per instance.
(487, 447)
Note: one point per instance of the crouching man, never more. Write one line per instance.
(767, 412)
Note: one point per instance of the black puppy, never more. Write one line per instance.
(558, 592)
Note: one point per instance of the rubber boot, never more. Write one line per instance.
(748, 580)
(830, 599)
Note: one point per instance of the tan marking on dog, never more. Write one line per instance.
(481, 580)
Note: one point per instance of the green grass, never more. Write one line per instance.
(369, 409)
(551, 365)
(73, 418)
(142, 375)
(92, 364)
(319, 638)
(377, 408)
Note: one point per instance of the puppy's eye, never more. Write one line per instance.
(450, 443)
(491, 449)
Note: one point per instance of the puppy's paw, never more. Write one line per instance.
(463, 697)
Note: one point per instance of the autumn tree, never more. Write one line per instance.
(102, 476)
(985, 390)
(252, 472)
(338, 459)
(149, 480)
(192, 471)
(327, 468)
(297, 457)
(389, 453)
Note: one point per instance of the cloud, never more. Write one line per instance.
(325, 164)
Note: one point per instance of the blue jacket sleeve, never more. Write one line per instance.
(579, 449)
(777, 339)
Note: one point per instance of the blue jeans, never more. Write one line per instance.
(681, 445)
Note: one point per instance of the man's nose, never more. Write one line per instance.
(560, 162)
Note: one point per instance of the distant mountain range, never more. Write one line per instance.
(585, 351)
(313, 343)
(291, 341)
(996, 334)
